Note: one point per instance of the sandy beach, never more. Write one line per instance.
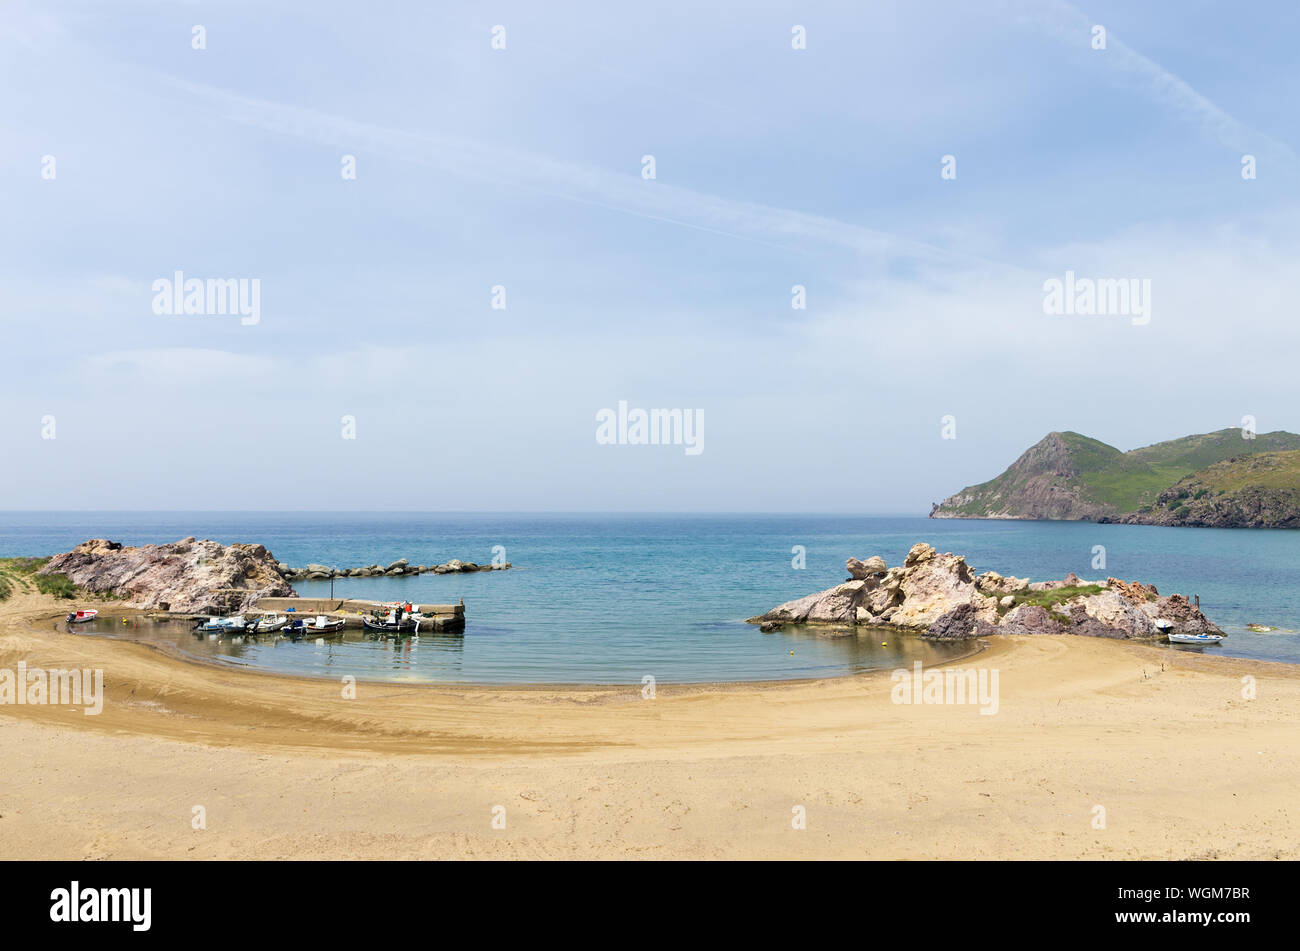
(1184, 766)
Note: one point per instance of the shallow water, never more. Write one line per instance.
(487, 657)
(613, 598)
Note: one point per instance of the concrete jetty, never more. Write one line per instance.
(445, 617)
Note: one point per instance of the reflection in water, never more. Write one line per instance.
(482, 654)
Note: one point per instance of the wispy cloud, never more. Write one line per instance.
(574, 181)
(1074, 26)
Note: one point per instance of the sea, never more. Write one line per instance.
(663, 598)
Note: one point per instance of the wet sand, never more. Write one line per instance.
(1183, 764)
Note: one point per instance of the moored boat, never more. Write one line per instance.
(81, 617)
(272, 622)
(236, 623)
(323, 625)
(391, 623)
(1195, 638)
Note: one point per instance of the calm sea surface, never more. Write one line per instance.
(613, 598)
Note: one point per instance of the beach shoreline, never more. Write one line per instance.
(974, 647)
(286, 767)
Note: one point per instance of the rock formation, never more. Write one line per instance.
(858, 570)
(939, 596)
(401, 567)
(187, 577)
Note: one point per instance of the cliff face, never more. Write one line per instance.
(188, 576)
(1196, 480)
(1044, 483)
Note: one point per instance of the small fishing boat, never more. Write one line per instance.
(1195, 638)
(389, 624)
(81, 617)
(272, 622)
(236, 623)
(322, 625)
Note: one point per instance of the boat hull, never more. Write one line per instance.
(405, 627)
(1195, 638)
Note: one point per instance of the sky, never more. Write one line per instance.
(440, 331)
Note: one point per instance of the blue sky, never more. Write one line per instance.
(522, 167)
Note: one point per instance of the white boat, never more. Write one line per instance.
(1195, 638)
(323, 624)
(236, 623)
(81, 617)
(272, 622)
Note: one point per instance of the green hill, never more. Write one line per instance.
(1260, 490)
(1067, 475)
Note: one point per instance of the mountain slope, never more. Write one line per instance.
(1048, 481)
(1197, 452)
(1261, 490)
(1071, 476)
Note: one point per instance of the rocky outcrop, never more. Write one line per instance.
(962, 622)
(932, 584)
(915, 594)
(836, 605)
(992, 581)
(871, 568)
(1030, 619)
(938, 595)
(1113, 612)
(187, 577)
(399, 568)
(1185, 616)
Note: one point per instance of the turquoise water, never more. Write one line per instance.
(613, 598)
